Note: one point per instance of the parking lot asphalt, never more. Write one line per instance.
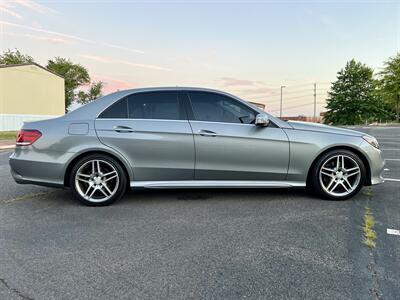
(209, 244)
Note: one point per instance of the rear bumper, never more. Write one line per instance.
(22, 180)
(29, 167)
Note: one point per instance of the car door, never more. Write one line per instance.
(228, 144)
(152, 131)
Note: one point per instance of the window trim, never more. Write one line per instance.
(181, 107)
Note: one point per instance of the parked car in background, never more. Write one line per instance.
(189, 138)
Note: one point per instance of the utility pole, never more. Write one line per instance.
(280, 115)
(315, 102)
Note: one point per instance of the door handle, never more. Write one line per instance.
(122, 129)
(204, 132)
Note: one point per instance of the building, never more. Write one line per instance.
(29, 92)
(303, 119)
(259, 105)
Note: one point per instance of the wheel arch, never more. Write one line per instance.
(72, 162)
(356, 151)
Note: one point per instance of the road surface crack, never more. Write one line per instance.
(17, 292)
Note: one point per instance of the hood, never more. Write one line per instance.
(323, 128)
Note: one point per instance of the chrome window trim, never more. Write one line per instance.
(130, 119)
(224, 123)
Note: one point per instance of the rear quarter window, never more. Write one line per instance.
(118, 110)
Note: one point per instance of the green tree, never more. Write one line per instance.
(74, 75)
(14, 57)
(353, 97)
(94, 92)
(390, 84)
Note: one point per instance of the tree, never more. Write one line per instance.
(94, 92)
(74, 75)
(390, 84)
(353, 97)
(15, 57)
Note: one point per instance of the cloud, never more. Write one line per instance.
(7, 7)
(123, 48)
(109, 60)
(52, 40)
(230, 81)
(67, 36)
(112, 84)
(40, 8)
(64, 35)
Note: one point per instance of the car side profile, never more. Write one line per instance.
(189, 138)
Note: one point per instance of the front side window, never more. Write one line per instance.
(155, 105)
(214, 107)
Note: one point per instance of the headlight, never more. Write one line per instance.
(371, 140)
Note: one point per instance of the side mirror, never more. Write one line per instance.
(262, 120)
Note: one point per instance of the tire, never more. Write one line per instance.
(98, 180)
(330, 180)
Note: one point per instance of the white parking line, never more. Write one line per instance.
(393, 231)
(392, 179)
(390, 149)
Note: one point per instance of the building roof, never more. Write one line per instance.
(30, 64)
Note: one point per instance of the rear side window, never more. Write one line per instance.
(215, 107)
(155, 105)
(119, 110)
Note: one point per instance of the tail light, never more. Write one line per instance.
(27, 137)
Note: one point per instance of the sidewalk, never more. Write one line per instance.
(7, 144)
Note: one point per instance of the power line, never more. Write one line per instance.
(277, 93)
(293, 98)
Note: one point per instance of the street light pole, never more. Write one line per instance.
(315, 102)
(280, 115)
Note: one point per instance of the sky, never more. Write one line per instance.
(247, 48)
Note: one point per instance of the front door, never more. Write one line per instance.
(152, 131)
(228, 144)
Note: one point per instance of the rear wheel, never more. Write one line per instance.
(338, 175)
(98, 180)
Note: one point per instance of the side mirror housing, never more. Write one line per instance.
(262, 120)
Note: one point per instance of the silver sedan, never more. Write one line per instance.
(189, 138)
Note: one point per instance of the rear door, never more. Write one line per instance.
(152, 131)
(228, 144)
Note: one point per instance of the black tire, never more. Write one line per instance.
(120, 184)
(314, 177)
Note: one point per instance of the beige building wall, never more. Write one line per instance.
(28, 93)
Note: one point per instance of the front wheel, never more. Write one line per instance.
(98, 180)
(338, 175)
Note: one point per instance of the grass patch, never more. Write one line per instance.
(368, 228)
(8, 135)
(368, 192)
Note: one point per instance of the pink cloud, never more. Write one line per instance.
(230, 81)
(52, 40)
(112, 84)
(109, 60)
(40, 8)
(7, 8)
(63, 35)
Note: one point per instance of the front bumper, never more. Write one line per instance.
(376, 163)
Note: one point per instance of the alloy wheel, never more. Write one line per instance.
(340, 175)
(97, 180)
